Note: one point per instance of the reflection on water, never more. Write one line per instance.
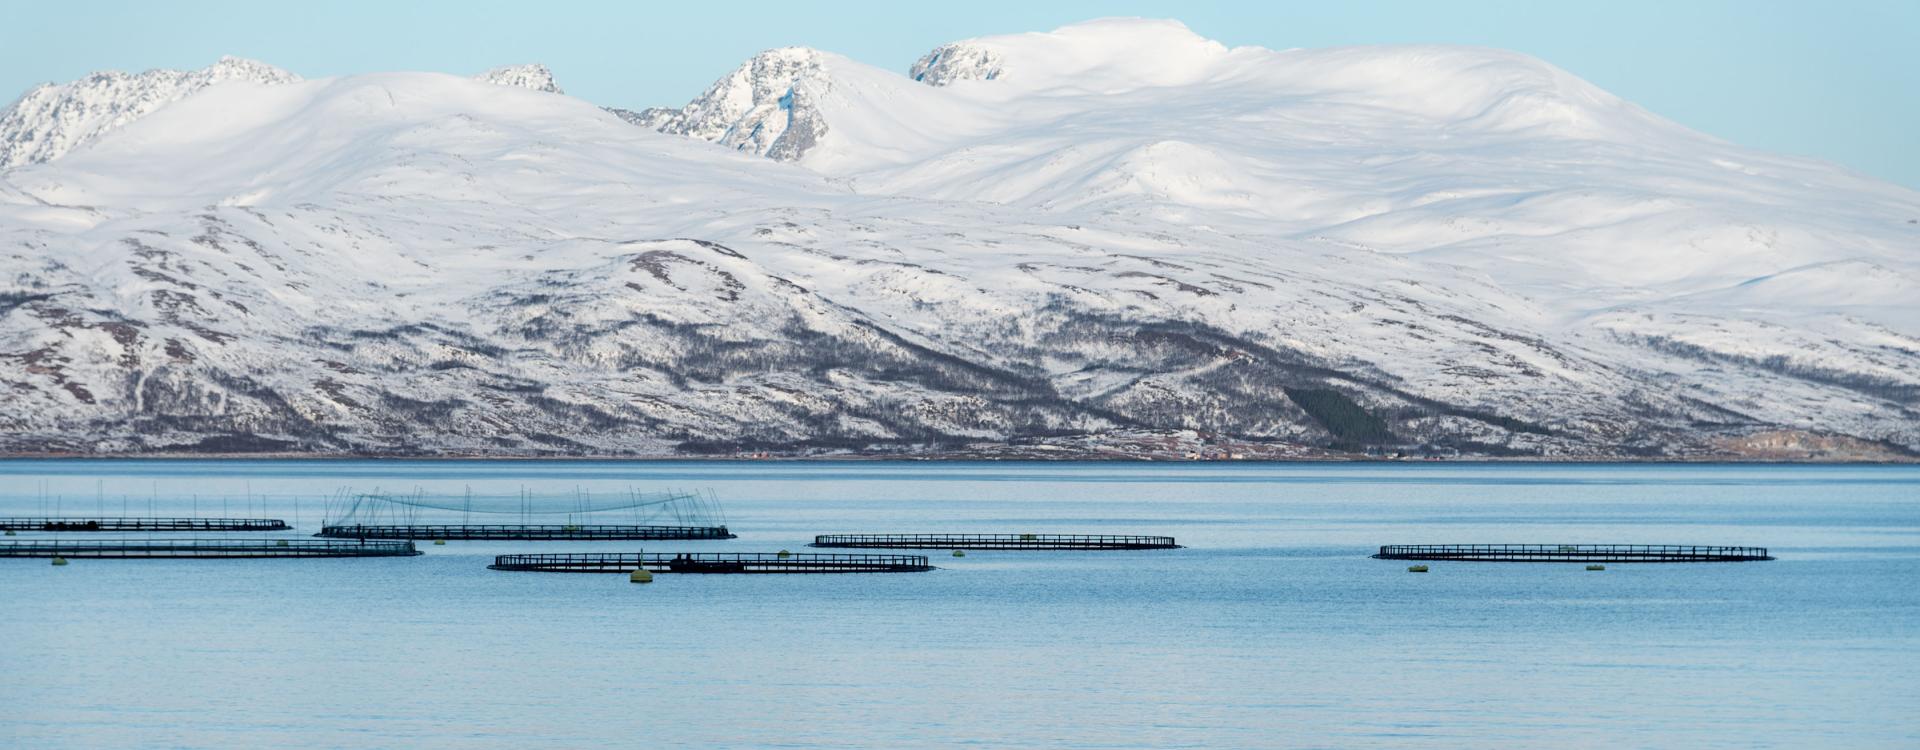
(1272, 628)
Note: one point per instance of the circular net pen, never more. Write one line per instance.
(142, 524)
(204, 548)
(619, 562)
(994, 541)
(1572, 553)
(527, 515)
(526, 532)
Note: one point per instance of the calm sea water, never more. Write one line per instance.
(1272, 629)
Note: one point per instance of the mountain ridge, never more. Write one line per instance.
(1234, 258)
(52, 119)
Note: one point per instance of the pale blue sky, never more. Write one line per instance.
(1839, 80)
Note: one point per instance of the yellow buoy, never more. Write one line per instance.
(783, 554)
(1596, 567)
(959, 553)
(1416, 568)
(641, 576)
(441, 542)
(59, 561)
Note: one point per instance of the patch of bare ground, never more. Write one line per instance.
(1802, 445)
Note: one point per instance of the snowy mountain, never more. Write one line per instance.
(51, 120)
(1113, 236)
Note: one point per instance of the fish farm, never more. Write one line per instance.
(580, 515)
(142, 524)
(994, 541)
(617, 562)
(204, 548)
(1572, 553)
(525, 532)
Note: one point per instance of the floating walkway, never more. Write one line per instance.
(616, 562)
(1580, 553)
(143, 524)
(523, 532)
(204, 548)
(993, 541)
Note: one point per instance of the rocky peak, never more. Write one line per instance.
(959, 61)
(765, 106)
(230, 68)
(53, 119)
(535, 76)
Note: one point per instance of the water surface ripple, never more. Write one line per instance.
(1272, 629)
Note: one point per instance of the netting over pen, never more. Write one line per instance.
(525, 507)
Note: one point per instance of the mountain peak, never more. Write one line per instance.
(765, 106)
(230, 68)
(532, 76)
(53, 119)
(1124, 50)
(959, 61)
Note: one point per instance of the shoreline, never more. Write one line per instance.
(963, 458)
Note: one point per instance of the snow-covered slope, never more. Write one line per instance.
(51, 120)
(1478, 157)
(1109, 233)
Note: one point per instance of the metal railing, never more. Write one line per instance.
(204, 548)
(525, 532)
(994, 541)
(84, 523)
(1572, 552)
(720, 562)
